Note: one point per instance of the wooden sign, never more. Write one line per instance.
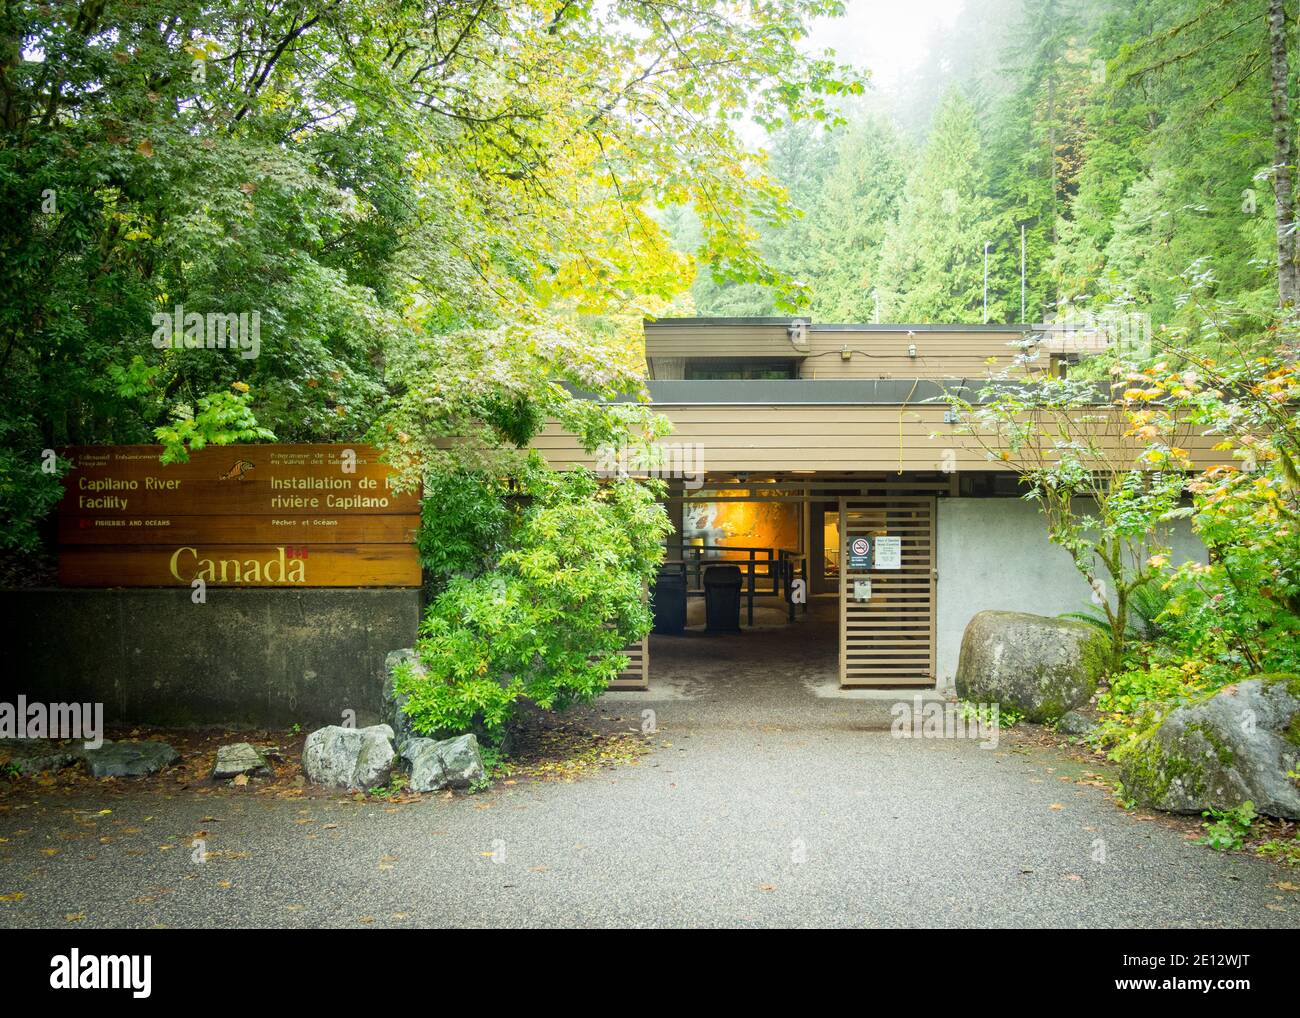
(253, 515)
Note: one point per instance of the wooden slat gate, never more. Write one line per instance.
(888, 640)
(637, 673)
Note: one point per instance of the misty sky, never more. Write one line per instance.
(888, 37)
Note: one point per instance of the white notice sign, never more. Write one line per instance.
(889, 552)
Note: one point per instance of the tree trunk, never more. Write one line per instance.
(1051, 143)
(1119, 629)
(1288, 278)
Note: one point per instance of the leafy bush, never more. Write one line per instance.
(1146, 620)
(1139, 698)
(27, 493)
(549, 618)
(223, 418)
(1242, 610)
(462, 523)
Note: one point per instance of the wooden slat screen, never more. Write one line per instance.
(637, 673)
(889, 640)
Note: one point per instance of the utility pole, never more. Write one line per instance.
(986, 282)
(1022, 273)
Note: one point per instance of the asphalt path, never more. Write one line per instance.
(764, 802)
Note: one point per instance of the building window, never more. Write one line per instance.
(749, 367)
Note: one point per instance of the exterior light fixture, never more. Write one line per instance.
(845, 353)
(911, 350)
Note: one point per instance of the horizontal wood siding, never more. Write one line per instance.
(885, 354)
(827, 437)
(873, 354)
(758, 340)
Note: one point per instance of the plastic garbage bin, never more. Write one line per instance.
(668, 596)
(722, 599)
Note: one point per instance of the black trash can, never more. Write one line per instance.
(722, 599)
(668, 597)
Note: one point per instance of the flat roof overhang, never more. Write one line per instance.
(808, 323)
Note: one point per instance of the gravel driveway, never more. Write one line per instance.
(762, 804)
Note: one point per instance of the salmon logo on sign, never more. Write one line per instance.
(238, 471)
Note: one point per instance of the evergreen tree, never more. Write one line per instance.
(932, 264)
(854, 213)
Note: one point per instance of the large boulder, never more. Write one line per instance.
(1043, 667)
(1236, 746)
(355, 758)
(449, 763)
(130, 759)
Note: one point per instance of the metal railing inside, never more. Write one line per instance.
(765, 572)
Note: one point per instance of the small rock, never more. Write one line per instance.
(392, 700)
(1074, 722)
(239, 758)
(449, 763)
(34, 756)
(130, 759)
(355, 758)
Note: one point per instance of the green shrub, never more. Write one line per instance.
(463, 519)
(1138, 699)
(549, 619)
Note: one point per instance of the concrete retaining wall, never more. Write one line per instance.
(258, 657)
(993, 553)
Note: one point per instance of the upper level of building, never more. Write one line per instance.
(787, 397)
(786, 348)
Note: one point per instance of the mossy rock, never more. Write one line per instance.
(1041, 666)
(1235, 746)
